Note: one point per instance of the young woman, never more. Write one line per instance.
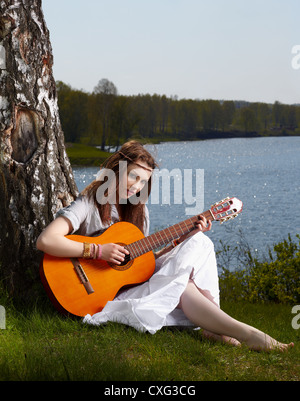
(184, 287)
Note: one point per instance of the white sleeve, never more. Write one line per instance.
(76, 212)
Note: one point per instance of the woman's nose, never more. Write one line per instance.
(137, 186)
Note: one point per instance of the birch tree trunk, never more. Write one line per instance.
(36, 178)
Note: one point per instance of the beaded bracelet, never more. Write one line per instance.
(99, 253)
(92, 251)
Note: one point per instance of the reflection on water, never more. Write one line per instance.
(262, 172)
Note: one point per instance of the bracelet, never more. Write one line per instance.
(92, 254)
(99, 253)
(92, 251)
(87, 250)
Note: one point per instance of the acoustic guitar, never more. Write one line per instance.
(83, 286)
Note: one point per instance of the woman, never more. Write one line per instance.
(184, 287)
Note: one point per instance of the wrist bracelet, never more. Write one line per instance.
(86, 250)
(99, 252)
(92, 251)
(93, 247)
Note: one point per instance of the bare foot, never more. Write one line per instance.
(260, 341)
(220, 338)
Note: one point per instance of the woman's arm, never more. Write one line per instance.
(53, 241)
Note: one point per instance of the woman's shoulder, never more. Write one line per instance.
(78, 211)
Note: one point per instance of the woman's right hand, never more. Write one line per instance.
(113, 253)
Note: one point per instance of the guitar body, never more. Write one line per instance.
(65, 288)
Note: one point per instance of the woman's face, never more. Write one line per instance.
(134, 182)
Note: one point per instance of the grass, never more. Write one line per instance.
(40, 344)
(84, 155)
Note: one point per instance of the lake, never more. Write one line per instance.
(262, 172)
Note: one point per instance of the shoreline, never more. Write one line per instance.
(81, 155)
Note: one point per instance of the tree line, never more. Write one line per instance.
(105, 118)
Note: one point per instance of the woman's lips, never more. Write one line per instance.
(130, 193)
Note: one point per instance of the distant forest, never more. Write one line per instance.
(105, 118)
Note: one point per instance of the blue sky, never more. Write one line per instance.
(197, 49)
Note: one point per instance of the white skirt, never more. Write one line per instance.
(153, 304)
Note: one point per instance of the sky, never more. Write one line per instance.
(192, 49)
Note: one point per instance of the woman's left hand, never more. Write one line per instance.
(201, 225)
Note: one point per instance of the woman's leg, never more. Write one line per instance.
(205, 314)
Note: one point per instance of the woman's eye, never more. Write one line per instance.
(132, 176)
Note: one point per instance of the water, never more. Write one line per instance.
(263, 172)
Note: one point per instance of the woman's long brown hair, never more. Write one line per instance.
(131, 152)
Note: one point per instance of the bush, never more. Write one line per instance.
(273, 280)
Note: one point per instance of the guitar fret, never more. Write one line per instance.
(131, 251)
(147, 239)
(181, 229)
(186, 225)
(151, 238)
(155, 240)
(166, 240)
(170, 232)
(161, 238)
(135, 249)
(148, 245)
(139, 248)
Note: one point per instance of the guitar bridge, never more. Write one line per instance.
(82, 276)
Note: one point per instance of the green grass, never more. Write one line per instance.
(40, 344)
(84, 155)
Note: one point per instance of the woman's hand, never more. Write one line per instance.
(201, 225)
(113, 253)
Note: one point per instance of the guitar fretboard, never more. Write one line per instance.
(165, 236)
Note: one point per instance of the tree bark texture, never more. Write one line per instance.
(36, 178)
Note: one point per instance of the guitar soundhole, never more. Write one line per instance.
(126, 264)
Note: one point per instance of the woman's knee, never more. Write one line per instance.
(189, 287)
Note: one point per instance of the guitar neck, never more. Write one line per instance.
(165, 236)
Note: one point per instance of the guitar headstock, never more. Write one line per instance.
(226, 209)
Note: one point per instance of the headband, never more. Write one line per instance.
(129, 158)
